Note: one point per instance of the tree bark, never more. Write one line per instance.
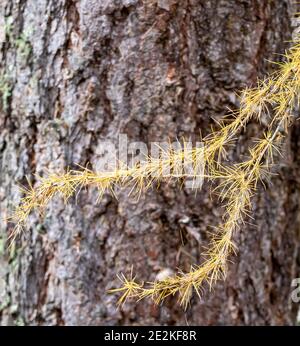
(80, 72)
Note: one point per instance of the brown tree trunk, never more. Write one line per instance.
(75, 73)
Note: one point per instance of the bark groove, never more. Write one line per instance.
(80, 72)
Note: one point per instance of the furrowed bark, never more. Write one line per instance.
(81, 72)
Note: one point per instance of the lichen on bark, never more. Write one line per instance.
(153, 70)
